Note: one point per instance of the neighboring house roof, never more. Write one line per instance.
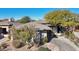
(5, 24)
(38, 25)
(42, 27)
(16, 24)
(2, 20)
(44, 23)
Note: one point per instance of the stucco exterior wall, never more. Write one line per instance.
(7, 28)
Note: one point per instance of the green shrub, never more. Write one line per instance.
(43, 49)
(25, 36)
(72, 37)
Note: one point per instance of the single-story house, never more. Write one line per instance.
(42, 30)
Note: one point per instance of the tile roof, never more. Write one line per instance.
(36, 25)
(5, 23)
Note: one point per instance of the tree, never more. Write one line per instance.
(60, 19)
(24, 19)
(60, 16)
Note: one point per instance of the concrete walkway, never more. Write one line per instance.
(64, 44)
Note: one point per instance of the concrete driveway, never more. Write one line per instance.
(64, 44)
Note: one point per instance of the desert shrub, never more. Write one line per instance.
(3, 46)
(22, 35)
(76, 41)
(17, 43)
(45, 40)
(70, 35)
(25, 36)
(43, 49)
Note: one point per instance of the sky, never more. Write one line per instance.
(33, 13)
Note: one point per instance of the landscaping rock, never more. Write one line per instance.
(51, 46)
